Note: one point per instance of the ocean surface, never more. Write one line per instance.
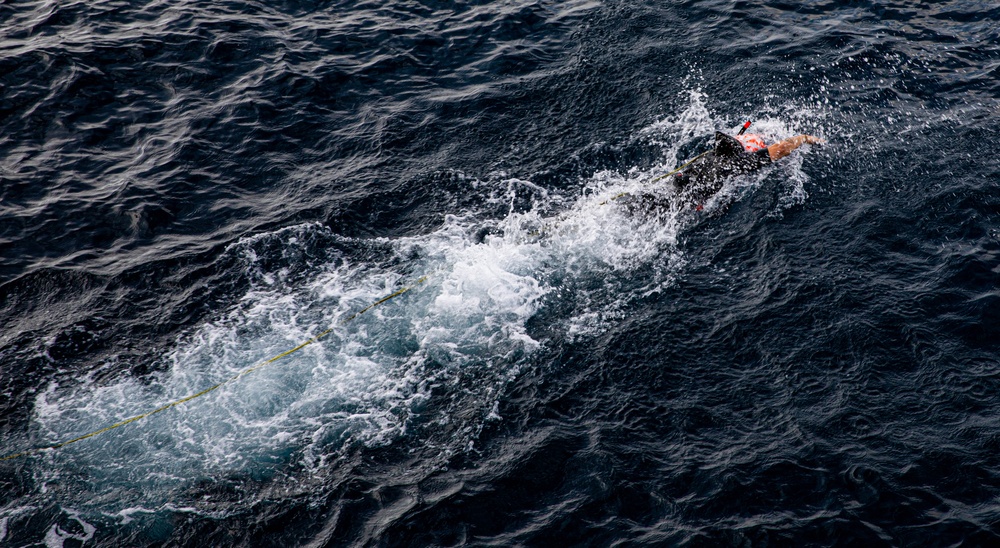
(189, 188)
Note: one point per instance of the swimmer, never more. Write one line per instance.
(704, 176)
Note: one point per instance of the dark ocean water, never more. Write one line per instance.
(189, 188)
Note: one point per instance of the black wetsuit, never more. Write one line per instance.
(705, 177)
(702, 179)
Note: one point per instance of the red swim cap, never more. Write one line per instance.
(752, 142)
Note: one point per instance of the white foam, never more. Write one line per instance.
(57, 536)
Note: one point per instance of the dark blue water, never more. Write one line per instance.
(189, 188)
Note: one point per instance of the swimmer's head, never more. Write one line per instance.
(752, 142)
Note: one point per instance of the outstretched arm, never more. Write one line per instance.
(784, 148)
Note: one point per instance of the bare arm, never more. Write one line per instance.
(781, 149)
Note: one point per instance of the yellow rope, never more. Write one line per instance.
(217, 386)
(655, 179)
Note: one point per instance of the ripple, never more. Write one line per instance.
(810, 362)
